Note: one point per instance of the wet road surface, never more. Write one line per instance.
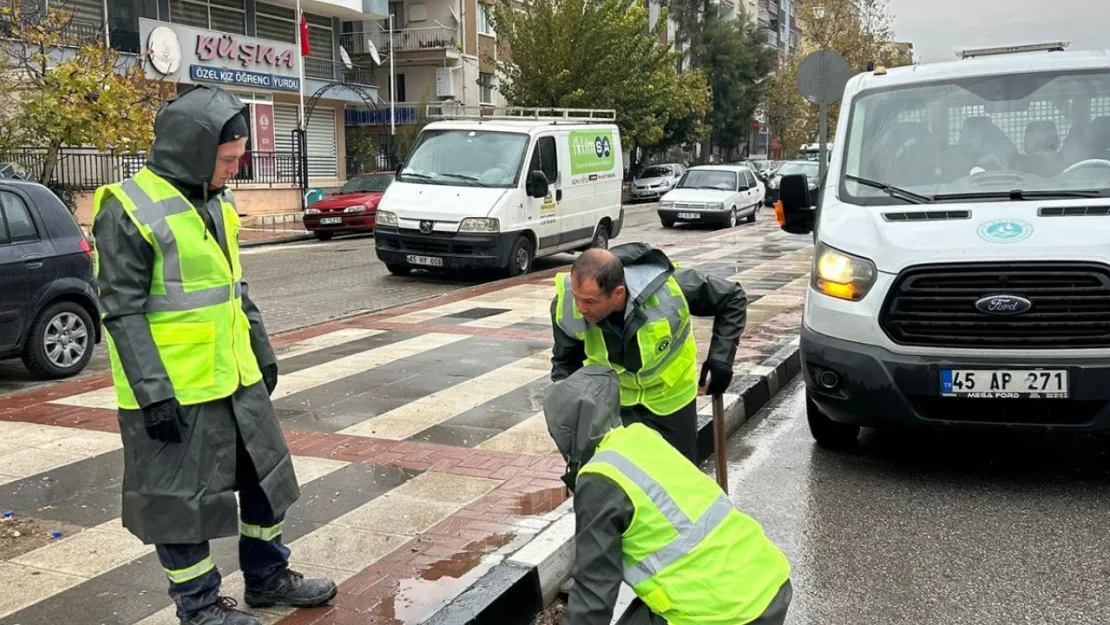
(944, 528)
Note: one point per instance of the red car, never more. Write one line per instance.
(353, 208)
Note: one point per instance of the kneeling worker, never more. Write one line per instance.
(647, 515)
(629, 309)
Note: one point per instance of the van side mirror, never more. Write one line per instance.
(536, 184)
(793, 210)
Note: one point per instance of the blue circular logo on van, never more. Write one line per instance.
(601, 146)
(1005, 230)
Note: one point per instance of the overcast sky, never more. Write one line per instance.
(938, 27)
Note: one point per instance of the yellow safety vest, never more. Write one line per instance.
(195, 305)
(668, 376)
(689, 554)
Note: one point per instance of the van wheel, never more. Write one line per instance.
(60, 342)
(829, 433)
(520, 257)
(398, 270)
(601, 237)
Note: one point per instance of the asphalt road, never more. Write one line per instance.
(936, 528)
(301, 284)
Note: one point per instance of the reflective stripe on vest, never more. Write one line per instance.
(649, 385)
(690, 533)
(152, 214)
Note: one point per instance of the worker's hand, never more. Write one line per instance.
(164, 421)
(270, 377)
(720, 376)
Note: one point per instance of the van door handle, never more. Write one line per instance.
(33, 261)
(558, 195)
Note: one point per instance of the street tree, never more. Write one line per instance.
(600, 54)
(65, 88)
(860, 30)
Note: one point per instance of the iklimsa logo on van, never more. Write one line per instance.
(591, 151)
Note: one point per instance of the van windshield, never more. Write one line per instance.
(1016, 136)
(479, 158)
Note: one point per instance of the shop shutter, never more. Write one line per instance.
(322, 158)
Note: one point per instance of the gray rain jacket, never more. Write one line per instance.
(646, 270)
(185, 492)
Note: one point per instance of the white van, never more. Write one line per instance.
(962, 237)
(497, 191)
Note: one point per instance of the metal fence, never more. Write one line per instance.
(84, 169)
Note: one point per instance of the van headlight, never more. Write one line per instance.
(386, 218)
(485, 225)
(842, 275)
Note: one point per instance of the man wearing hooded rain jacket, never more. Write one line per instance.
(193, 368)
(649, 517)
(629, 308)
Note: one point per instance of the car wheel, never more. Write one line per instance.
(732, 220)
(60, 343)
(755, 211)
(323, 236)
(520, 257)
(398, 270)
(667, 223)
(829, 433)
(601, 237)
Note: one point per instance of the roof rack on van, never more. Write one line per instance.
(555, 114)
(1052, 46)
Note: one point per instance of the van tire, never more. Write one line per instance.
(520, 257)
(829, 433)
(601, 237)
(398, 270)
(68, 317)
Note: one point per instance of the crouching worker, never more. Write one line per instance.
(648, 516)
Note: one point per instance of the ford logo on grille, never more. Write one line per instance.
(1003, 305)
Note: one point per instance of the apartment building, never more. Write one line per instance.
(779, 18)
(442, 51)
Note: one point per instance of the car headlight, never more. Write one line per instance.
(715, 206)
(480, 224)
(386, 218)
(842, 275)
(311, 211)
(774, 184)
(354, 209)
(666, 205)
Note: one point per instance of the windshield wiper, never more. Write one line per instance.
(466, 178)
(418, 175)
(1019, 194)
(892, 191)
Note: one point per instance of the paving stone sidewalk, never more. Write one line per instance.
(417, 437)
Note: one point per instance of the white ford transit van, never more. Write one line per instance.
(497, 191)
(961, 268)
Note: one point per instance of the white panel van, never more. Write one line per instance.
(498, 191)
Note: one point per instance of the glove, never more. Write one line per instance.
(720, 376)
(270, 377)
(164, 421)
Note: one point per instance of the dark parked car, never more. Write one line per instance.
(49, 313)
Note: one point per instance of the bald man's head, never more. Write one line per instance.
(597, 283)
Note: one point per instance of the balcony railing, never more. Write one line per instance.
(406, 40)
(331, 71)
(74, 34)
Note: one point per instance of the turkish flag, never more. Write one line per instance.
(305, 49)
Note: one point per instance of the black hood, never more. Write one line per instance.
(645, 270)
(187, 135)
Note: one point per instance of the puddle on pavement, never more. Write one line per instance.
(417, 598)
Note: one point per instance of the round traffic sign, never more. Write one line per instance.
(822, 76)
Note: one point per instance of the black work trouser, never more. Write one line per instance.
(679, 428)
(639, 614)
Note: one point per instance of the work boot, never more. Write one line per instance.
(222, 612)
(292, 590)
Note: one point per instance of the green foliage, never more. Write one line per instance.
(599, 54)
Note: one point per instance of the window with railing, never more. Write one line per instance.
(279, 23)
(228, 16)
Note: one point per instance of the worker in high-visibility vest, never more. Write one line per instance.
(193, 368)
(647, 516)
(629, 308)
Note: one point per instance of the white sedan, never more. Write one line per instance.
(715, 194)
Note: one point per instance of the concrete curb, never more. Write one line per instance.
(296, 238)
(518, 588)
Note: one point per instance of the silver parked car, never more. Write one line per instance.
(656, 180)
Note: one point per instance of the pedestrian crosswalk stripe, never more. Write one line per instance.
(527, 437)
(412, 418)
(75, 559)
(324, 341)
(29, 448)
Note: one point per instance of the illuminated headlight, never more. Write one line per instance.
(480, 224)
(311, 211)
(354, 209)
(386, 218)
(666, 205)
(841, 275)
(715, 206)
